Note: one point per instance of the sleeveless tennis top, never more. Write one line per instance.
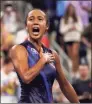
(40, 89)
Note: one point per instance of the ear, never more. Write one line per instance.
(47, 28)
(26, 28)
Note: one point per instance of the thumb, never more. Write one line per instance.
(41, 51)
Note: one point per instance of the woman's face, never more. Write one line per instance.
(36, 24)
(71, 10)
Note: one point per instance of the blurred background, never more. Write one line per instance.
(70, 34)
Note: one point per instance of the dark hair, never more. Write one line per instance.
(74, 16)
(47, 18)
(8, 5)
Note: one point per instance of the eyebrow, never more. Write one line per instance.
(41, 16)
(31, 17)
(37, 16)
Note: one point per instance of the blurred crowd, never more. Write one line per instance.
(71, 21)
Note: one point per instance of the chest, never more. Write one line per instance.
(49, 69)
(84, 87)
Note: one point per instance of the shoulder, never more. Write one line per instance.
(62, 19)
(78, 18)
(77, 81)
(19, 47)
(17, 50)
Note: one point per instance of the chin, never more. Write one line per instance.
(36, 38)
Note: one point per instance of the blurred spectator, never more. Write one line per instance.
(86, 10)
(88, 34)
(83, 85)
(71, 28)
(86, 42)
(9, 83)
(58, 96)
(7, 39)
(11, 18)
(23, 7)
(60, 11)
(1, 59)
(21, 36)
(83, 9)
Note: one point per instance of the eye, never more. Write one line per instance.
(31, 19)
(40, 19)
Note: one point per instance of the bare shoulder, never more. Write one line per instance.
(17, 50)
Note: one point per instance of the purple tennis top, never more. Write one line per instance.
(40, 89)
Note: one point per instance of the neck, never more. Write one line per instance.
(36, 43)
(84, 78)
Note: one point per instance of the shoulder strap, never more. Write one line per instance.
(24, 44)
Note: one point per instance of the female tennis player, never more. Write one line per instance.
(37, 66)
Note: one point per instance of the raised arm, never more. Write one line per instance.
(19, 58)
(65, 86)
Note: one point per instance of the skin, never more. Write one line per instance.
(19, 56)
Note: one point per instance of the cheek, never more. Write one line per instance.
(43, 27)
(43, 23)
(29, 24)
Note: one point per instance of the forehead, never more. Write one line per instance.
(36, 13)
(83, 68)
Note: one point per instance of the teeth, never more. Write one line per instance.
(36, 28)
(35, 33)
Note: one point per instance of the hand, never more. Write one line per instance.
(73, 28)
(86, 95)
(48, 57)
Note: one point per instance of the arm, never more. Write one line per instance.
(19, 58)
(64, 28)
(65, 86)
(79, 26)
(87, 9)
(86, 42)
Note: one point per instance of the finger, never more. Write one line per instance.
(52, 57)
(51, 60)
(48, 53)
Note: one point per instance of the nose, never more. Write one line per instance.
(36, 21)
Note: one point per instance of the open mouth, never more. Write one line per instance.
(35, 30)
